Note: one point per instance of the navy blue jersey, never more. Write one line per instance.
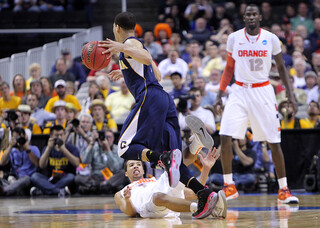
(137, 75)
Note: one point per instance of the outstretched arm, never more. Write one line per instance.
(124, 203)
(131, 48)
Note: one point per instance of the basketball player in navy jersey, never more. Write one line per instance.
(152, 126)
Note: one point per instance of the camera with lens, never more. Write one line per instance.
(58, 141)
(21, 140)
(75, 123)
(183, 103)
(102, 135)
(11, 115)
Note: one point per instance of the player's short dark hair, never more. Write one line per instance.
(253, 5)
(125, 164)
(56, 128)
(126, 20)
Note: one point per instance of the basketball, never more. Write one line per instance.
(92, 56)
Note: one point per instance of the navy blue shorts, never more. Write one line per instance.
(152, 124)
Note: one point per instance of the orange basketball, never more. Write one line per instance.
(92, 56)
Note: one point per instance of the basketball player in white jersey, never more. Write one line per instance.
(250, 52)
(150, 198)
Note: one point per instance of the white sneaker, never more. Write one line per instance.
(220, 210)
(201, 136)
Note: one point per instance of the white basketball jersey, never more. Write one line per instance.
(253, 56)
(143, 190)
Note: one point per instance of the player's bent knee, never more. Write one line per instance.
(159, 198)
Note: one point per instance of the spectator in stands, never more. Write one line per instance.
(26, 121)
(218, 62)
(173, 64)
(37, 89)
(298, 45)
(60, 160)
(210, 52)
(176, 42)
(313, 94)
(34, 73)
(288, 32)
(299, 94)
(19, 86)
(79, 136)
(225, 28)
(302, 18)
(153, 47)
(316, 61)
(38, 114)
(93, 89)
(214, 84)
(194, 51)
(300, 67)
(119, 103)
(72, 112)
(138, 31)
(101, 119)
(208, 97)
(61, 72)
(7, 101)
(181, 23)
(93, 75)
(268, 18)
(162, 32)
(313, 119)
(316, 9)
(178, 86)
(25, 5)
(47, 87)
(311, 81)
(242, 166)
(73, 67)
(264, 158)
(288, 112)
(24, 160)
(71, 88)
(60, 110)
(276, 29)
(104, 84)
(102, 155)
(200, 32)
(238, 21)
(205, 115)
(52, 5)
(60, 87)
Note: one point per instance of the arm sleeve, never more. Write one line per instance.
(227, 73)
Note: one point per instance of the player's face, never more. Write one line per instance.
(252, 17)
(134, 170)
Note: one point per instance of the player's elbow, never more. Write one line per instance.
(148, 60)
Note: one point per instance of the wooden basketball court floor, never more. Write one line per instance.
(255, 210)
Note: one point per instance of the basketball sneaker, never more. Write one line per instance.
(230, 191)
(170, 162)
(220, 210)
(207, 200)
(284, 196)
(201, 138)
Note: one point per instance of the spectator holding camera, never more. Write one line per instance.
(24, 160)
(100, 116)
(61, 110)
(7, 101)
(78, 132)
(103, 157)
(60, 161)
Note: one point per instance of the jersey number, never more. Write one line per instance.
(256, 64)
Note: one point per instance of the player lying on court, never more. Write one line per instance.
(149, 198)
(152, 126)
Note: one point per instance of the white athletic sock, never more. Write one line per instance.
(193, 207)
(228, 178)
(282, 182)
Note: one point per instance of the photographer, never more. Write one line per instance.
(61, 111)
(24, 160)
(60, 160)
(103, 157)
(195, 109)
(100, 118)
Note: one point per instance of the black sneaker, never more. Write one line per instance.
(207, 200)
(171, 164)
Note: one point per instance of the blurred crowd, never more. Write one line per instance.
(79, 112)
